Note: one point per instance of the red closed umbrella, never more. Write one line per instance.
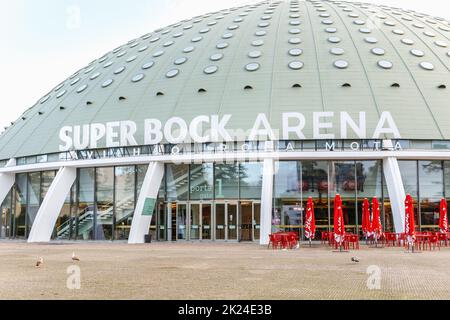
(409, 220)
(366, 218)
(443, 219)
(310, 221)
(339, 226)
(377, 228)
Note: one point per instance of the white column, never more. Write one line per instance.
(266, 201)
(396, 192)
(48, 213)
(7, 181)
(146, 203)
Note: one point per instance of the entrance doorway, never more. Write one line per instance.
(226, 217)
(250, 221)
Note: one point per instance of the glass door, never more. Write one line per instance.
(256, 220)
(194, 221)
(220, 223)
(162, 221)
(181, 221)
(231, 223)
(246, 221)
(206, 225)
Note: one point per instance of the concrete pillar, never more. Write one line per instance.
(146, 203)
(7, 181)
(267, 201)
(48, 213)
(396, 192)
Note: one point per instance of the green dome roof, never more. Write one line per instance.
(293, 56)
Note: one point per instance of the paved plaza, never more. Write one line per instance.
(220, 271)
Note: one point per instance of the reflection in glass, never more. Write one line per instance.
(220, 221)
(201, 181)
(64, 223)
(85, 214)
(343, 181)
(256, 221)
(105, 203)
(232, 210)
(206, 221)
(181, 222)
(431, 192)
(5, 215)
(250, 180)
(34, 198)
(124, 201)
(227, 181)
(408, 171)
(20, 206)
(177, 182)
(194, 222)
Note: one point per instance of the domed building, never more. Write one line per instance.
(220, 127)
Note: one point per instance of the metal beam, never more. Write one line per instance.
(146, 203)
(396, 192)
(266, 201)
(48, 213)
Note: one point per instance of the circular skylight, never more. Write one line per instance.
(371, 40)
(216, 57)
(222, 45)
(130, 59)
(408, 41)
(257, 43)
(172, 73)
(296, 65)
(168, 43)
(119, 70)
(107, 83)
(441, 43)
(143, 48)
(294, 22)
(295, 40)
(205, 30)
(43, 100)
(260, 33)
(341, 64)
(88, 70)
(121, 54)
(82, 88)
(254, 54)
(188, 49)
(378, 51)
(430, 34)
(180, 60)
(233, 27)
(196, 39)
(365, 30)
(178, 34)
(227, 35)
(331, 30)
(427, 65)
(95, 76)
(398, 32)
(295, 52)
(154, 39)
(253, 66)
(138, 77)
(148, 65)
(75, 81)
(328, 22)
(389, 23)
(211, 69)
(417, 52)
(263, 24)
(158, 53)
(108, 64)
(385, 64)
(294, 31)
(337, 51)
(334, 39)
(359, 22)
(61, 94)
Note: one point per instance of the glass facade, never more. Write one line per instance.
(296, 181)
(222, 201)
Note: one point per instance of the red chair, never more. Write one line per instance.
(292, 239)
(442, 238)
(401, 239)
(325, 236)
(390, 239)
(433, 240)
(353, 240)
(275, 241)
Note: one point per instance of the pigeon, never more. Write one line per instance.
(355, 259)
(40, 262)
(74, 257)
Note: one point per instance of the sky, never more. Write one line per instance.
(46, 41)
